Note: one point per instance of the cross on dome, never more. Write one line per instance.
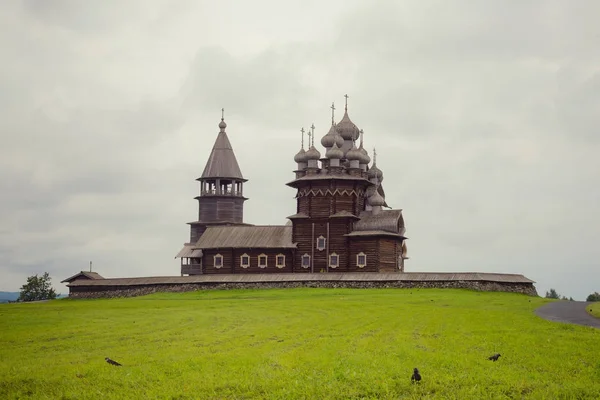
(332, 113)
(222, 124)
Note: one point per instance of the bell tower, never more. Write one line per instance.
(221, 199)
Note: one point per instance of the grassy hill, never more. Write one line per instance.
(296, 344)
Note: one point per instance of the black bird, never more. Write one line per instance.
(112, 362)
(494, 357)
(416, 377)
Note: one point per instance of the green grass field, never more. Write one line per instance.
(595, 309)
(296, 344)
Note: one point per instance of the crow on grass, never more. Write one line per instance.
(494, 357)
(416, 377)
(112, 362)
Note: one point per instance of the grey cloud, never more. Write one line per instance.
(265, 86)
(105, 16)
(484, 116)
(437, 64)
(433, 32)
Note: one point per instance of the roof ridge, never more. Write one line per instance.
(249, 226)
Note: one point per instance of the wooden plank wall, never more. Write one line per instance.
(320, 206)
(196, 231)
(303, 205)
(343, 203)
(338, 243)
(301, 233)
(388, 254)
(367, 245)
(221, 208)
(232, 261)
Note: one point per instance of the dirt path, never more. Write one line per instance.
(572, 312)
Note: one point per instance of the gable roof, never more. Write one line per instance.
(266, 236)
(222, 162)
(83, 275)
(385, 220)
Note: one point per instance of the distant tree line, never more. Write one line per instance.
(593, 297)
(553, 294)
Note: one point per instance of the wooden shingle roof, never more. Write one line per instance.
(226, 237)
(386, 220)
(189, 251)
(374, 233)
(308, 277)
(222, 162)
(325, 177)
(83, 275)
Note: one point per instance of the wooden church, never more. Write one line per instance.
(340, 223)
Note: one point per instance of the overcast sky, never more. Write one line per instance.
(485, 115)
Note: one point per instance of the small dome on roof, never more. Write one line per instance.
(334, 152)
(347, 129)
(365, 159)
(300, 156)
(354, 153)
(222, 124)
(376, 199)
(375, 172)
(312, 154)
(332, 137)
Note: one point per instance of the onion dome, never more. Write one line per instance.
(312, 154)
(375, 172)
(354, 154)
(222, 124)
(365, 159)
(376, 200)
(334, 152)
(300, 157)
(347, 129)
(332, 137)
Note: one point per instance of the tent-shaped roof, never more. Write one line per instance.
(222, 162)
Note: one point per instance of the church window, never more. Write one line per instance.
(361, 260)
(334, 260)
(218, 261)
(262, 261)
(320, 243)
(280, 261)
(245, 261)
(305, 261)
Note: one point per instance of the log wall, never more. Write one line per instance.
(388, 254)
(221, 209)
(232, 261)
(89, 292)
(367, 245)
